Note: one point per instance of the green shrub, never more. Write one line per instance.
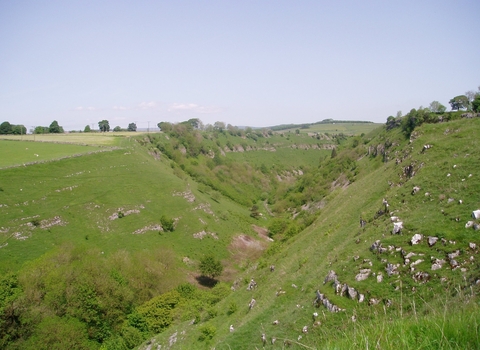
(167, 224)
(232, 308)
(207, 332)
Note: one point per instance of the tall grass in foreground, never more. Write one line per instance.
(453, 325)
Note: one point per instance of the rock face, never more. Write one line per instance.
(321, 299)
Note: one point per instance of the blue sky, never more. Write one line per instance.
(256, 63)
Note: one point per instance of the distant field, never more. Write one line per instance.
(103, 139)
(20, 152)
(346, 128)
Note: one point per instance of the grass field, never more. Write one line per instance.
(345, 128)
(14, 153)
(99, 139)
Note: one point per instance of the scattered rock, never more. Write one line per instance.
(453, 255)
(397, 227)
(331, 276)
(415, 190)
(379, 278)
(352, 293)
(363, 275)
(421, 277)
(432, 241)
(476, 214)
(454, 264)
(472, 245)
(392, 269)
(437, 263)
(416, 238)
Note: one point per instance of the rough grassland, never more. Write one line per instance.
(442, 312)
(78, 200)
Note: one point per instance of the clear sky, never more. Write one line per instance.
(256, 63)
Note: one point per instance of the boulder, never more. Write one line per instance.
(476, 214)
(397, 227)
(454, 264)
(416, 238)
(363, 275)
(415, 190)
(331, 276)
(437, 264)
(352, 293)
(432, 241)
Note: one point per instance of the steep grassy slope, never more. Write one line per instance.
(413, 304)
(78, 200)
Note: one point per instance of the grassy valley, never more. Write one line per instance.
(88, 259)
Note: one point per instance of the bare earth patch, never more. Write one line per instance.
(245, 249)
(262, 232)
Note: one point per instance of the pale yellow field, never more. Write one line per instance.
(104, 139)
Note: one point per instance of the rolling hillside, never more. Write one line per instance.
(88, 258)
(391, 293)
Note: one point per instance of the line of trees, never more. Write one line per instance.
(6, 128)
(435, 113)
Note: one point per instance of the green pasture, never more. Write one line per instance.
(345, 128)
(99, 139)
(14, 153)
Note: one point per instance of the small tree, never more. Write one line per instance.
(210, 267)
(476, 104)
(117, 129)
(104, 126)
(459, 102)
(87, 129)
(5, 128)
(254, 213)
(437, 107)
(19, 130)
(132, 127)
(54, 128)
